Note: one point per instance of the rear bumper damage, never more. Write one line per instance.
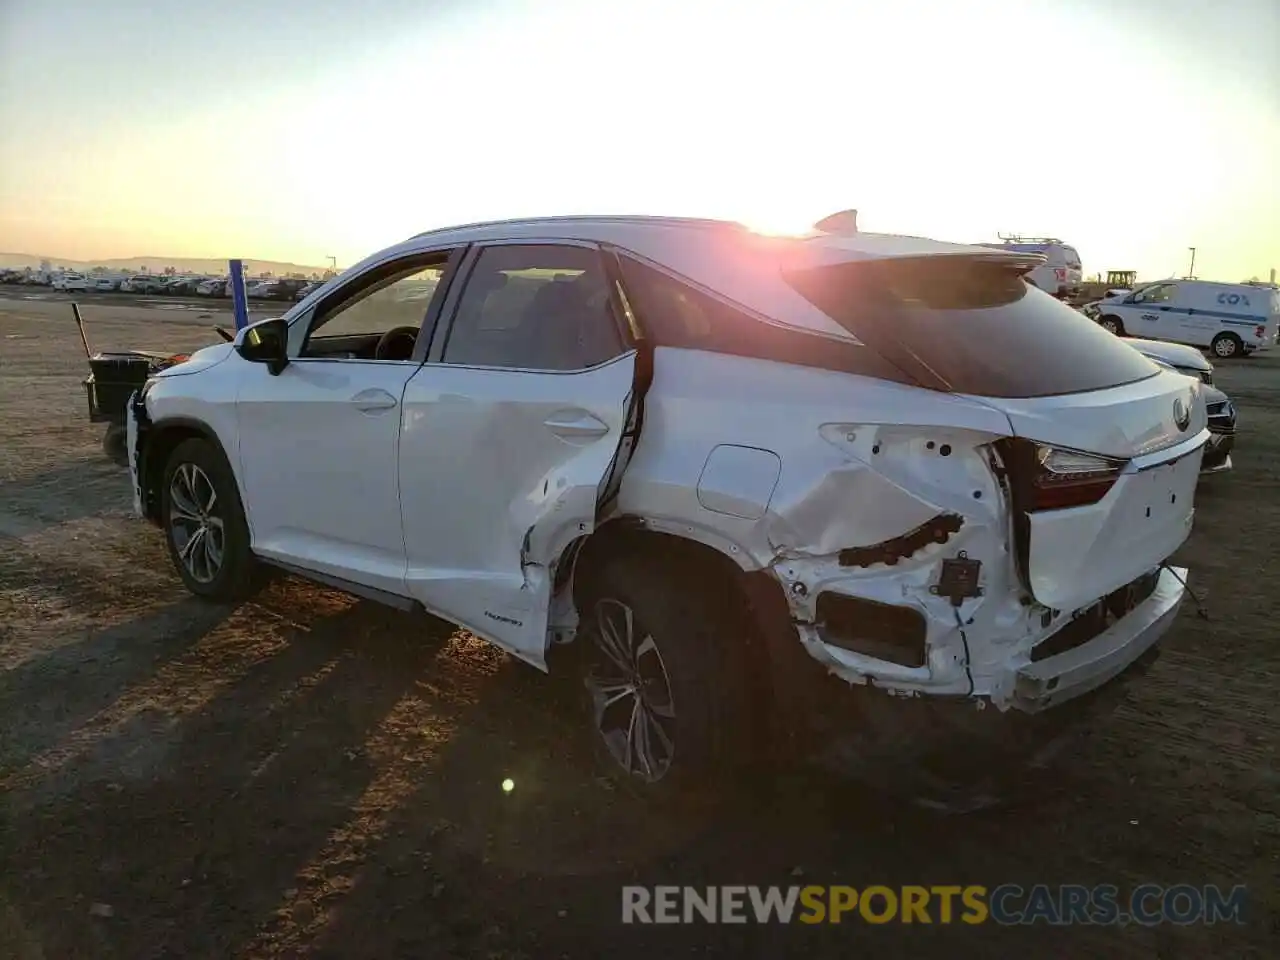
(857, 724)
(950, 615)
(1082, 669)
(1025, 681)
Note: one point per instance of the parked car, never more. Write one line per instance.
(280, 288)
(213, 287)
(1188, 361)
(1231, 319)
(180, 286)
(1062, 272)
(305, 289)
(1222, 431)
(739, 484)
(106, 284)
(1219, 409)
(143, 283)
(70, 282)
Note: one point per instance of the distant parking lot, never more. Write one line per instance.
(205, 305)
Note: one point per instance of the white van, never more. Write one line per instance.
(1061, 273)
(1228, 318)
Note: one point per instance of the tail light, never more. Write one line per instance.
(1069, 478)
(1260, 332)
(1060, 274)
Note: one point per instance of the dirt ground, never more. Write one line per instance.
(309, 775)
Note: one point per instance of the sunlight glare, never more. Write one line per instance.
(778, 225)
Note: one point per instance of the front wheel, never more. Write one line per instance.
(1112, 325)
(1227, 345)
(204, 522)
(664, 668)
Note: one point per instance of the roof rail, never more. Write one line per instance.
(656, 220)
(1016, 238)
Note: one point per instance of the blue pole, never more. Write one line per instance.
(239, 302)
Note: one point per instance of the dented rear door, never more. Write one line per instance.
(512, 431)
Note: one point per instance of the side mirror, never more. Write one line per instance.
(267, 342)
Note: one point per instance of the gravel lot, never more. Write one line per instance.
(309, 775)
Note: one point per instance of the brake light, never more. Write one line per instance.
(1060, 274)
(1069, 478)
(1260, 332)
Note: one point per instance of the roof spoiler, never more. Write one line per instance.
(842, 223)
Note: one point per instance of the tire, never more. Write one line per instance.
(1112, 325)
(224, 574)
(1227, 345)
(694, 675)
(115, 445)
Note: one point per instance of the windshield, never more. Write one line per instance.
(976, 325)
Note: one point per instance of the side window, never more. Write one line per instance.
(535, 307)
(1158, 294)
(390, 298)
(675, 314)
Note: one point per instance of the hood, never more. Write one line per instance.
(198, 361)
(1174, 354)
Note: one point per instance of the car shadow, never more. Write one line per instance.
(359, 782)
(73, 491)
(206, 805)
(50, 695)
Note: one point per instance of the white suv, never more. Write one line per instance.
(760, 485)
(70, 282)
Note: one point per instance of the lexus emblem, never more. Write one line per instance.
(1181, 414)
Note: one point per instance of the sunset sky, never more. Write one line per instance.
(292, 130)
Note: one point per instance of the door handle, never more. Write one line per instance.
(374, 400)
(576, 424)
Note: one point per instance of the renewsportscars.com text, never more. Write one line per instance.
(1007, 904)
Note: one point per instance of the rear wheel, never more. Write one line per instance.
(1227, 345)
(664, 669)
(204, 522)
(1113, 325)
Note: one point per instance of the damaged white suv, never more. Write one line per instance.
(863, 495)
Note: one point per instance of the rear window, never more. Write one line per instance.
(977, 326)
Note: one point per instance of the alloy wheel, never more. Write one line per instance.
(195, 528)
(630, 692)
